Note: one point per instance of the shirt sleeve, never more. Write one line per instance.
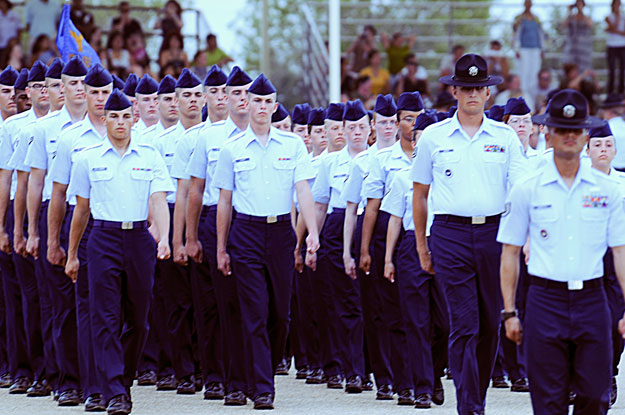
(224, 173)
(199, 160)
(616, 221)
(36, 156)
(515, 220)
(353, 185)
(79, 184)
(518, 167)
(16, 162)
(181, 159)
(161, 182)
(373, 186)
(6, 148)
(321, 187)
(60, 168)
(395, 203)
(421, 171)
(303, 167)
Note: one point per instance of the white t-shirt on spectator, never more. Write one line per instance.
(614, 40)
(10, 23)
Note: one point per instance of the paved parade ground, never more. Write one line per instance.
(293, 397)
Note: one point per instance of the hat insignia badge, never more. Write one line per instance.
(473, 70)
(568, 111)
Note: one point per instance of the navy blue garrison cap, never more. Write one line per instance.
(131, 85)
(118, 83)
(516, 106)
(204, 113)
(9, 76)
(280, 114)
(385, 105)
(238, 77)
(452, 111)
(146, 86)
(300, 114)
(335, 111)
(410, 101)
(38, 72)
(98, 76)
(262, 86)
(22, 80)
(442, 115)
(167, 85)
(215, 77)
(316, 116)
(75, 67)
(444, 98)
(187, 79)
(370, 114)
(568, 109)
(496, 113)
(425, 119)
(117, 101)
(601, 131)
(354, 110)
(55, 69)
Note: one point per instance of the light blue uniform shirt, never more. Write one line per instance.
(209, 139)
(384, 164)
(331, 177)
(119, 187)
(569, 229)
(139, 127)
(359, 170)
(10, 131)
(149, 134)
(262, 178)
(23, 140)
(468, 176)
(166, 143)
(42, 149)
(72, 141)
(398, 201)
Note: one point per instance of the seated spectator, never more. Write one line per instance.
(118, 59)
(364, 93)
(397, 49)
(512, 89)
(497, 60)
(82, 19)
(413, 77)
(199, 64)
(380, 77)
(135, 44)
(448, 63)
(171, 18)
(10, 24)
(42, 50)
(348, 78)
(585, 82)
(538, 96)
(214, 55)
(124, 23)
(13, 55)
(360, 48)
(172, 52)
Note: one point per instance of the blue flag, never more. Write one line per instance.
(71, 42)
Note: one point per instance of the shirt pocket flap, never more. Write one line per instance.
(598, 214)
(544, 213)
(138, 173)
(445, 156)
(244, 165)
(100, 173)
(284, 164)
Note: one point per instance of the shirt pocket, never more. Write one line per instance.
(51, 147)
(243, 174)
(495, 165)
(101, 186)
(141, 182)
(445, 164)
(212, 158)
(544, 219)
(595, 225)
(285, 170)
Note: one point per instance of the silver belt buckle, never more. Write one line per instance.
(272, 219)
(127, 225)
(575, 285)
(478, 220)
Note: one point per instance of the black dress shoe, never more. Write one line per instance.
(167, 383)
(405, 397)
(613, 391)
(500, 382)
(263, 401)
(236, 398)
(438, 395)
(384, 393)
(199, 382)
(119, 405)
(39, 388)
(367, 383)
(147, 378)
(6, 380)
(423, 401)
(70, 397)
(315, 377)
(448, 374)
(353, 384)
(214, 391)
(95, 403)
(302, 373)
(20, 385)
(186, 386)
(520, 385)
(283, 368)
(572, 396)
(335, 382)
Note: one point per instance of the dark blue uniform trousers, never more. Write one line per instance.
(348, 319)
(4, 360)
(424, 308)
(466, 257)
(568, 348)
(64, 325)
(227, 342)
(307, 320)
(121, 277)
(262, 263)
(616, 303)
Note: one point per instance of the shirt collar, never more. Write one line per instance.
(64, 117)
(487, 126)
(107, 146)
(398, 153)
(551, 174)
(87, 126)
(231, 127)
(273, 135)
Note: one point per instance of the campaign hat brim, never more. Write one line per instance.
(549, 121)
(455, 81)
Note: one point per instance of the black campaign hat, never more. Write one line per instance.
(567, 109)
(471, 70)
(280, 114)
(38, 72)
(9, 76)
(612, 100)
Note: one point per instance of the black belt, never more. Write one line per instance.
(564, 286)
(127, 226)
(338, 210)
(263, 219)
(468, 220)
